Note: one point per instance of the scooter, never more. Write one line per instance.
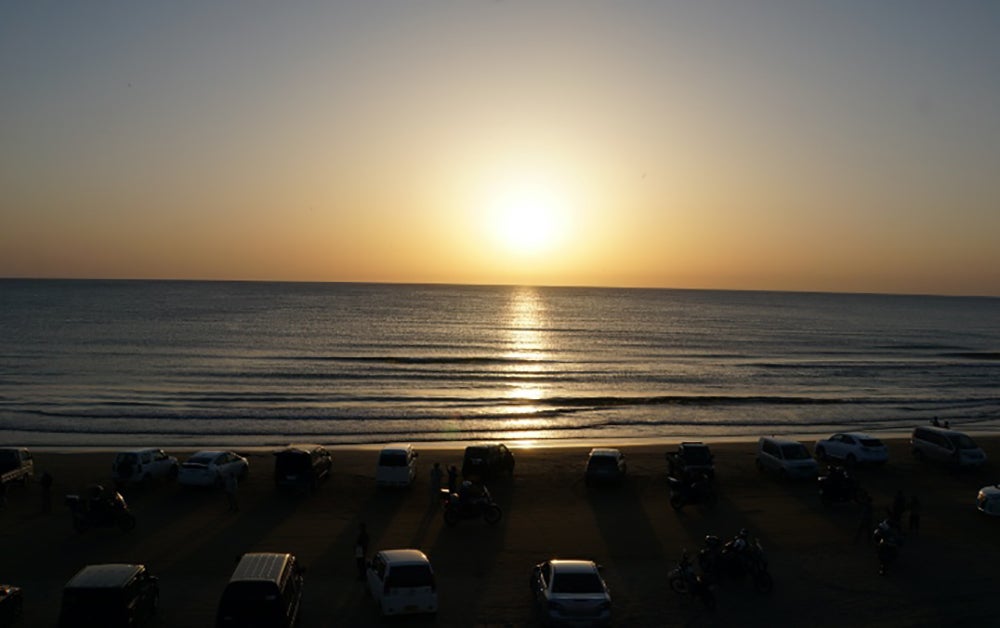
(100, 509)
(683, 580)
(734, 559)
(458, 506)
(694, 489)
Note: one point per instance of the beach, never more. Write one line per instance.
(946, 573)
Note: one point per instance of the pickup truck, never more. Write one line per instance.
(16, 464)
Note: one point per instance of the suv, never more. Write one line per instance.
(484, 462)
(397, 466)
(142, 466)
(301, 467)
(264, 591)
(16, 463)
(605, 465)
(787, 458)
(949, 446)
(402, 581)
(691, 458)
(109, 595)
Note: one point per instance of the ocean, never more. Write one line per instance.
(175, 363)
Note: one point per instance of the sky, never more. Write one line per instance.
(849, 146)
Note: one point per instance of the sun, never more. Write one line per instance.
(528, 219)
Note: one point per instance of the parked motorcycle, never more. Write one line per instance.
(888, 539)
(691, 489)
(470, 502)
(683, 580)
(734, 560)
(839, 486)
(100, 508)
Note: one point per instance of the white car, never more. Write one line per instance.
(787, 458)
(397, 465)
(988, 500)
(142, 466)
(211, 468)
(571, 592)
(853, 448)
(402, 582)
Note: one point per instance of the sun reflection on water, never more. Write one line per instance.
(527, 351)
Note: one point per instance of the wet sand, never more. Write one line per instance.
(946, 574)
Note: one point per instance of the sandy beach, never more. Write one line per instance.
(946, 573)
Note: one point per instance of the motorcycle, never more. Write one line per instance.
(735, 559)
(693, 489)
(683, 580)
(888, 540)
(100, 509)
(839, 486)
(463, 505)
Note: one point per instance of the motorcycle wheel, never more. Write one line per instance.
(492, 514)
(451, 517)
(126, 522)
(677, 584)
(763, 582)
(676, 501)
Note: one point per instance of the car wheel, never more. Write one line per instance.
(677, 584)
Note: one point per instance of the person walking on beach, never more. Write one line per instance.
(46, 482)
(232, 488)
(865, 524)
(914, 515)
(361, 551)
(436, 477)
(452, 478)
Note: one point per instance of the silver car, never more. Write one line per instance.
(571, 593)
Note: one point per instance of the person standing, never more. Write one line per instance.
(452, 478)
(361, 551)
(436, 477)
(232, 489)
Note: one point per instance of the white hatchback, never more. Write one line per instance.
(787, 458)
(211, 468)
(397, 465)
(402, 582)
(853, 448)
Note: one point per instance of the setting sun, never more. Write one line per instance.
(528, 219)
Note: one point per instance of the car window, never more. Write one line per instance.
(871, 442)
(770, 448)
(794, 451)
(410, 576)
(392, 459)
(577, 583)
(963, 442)
(696, 455)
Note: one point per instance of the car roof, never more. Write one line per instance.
(397, 447)
(405, 556)
(109, 575)
(303, 447)
(604, 451)
(779, 440)
(138, 450)
(991, 491)
(562, 565)
(939, 430)
(207, 453)
(858, 435)
(264, 566)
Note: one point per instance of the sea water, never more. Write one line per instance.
(175, 362)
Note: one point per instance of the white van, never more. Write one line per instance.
(402, 582)
(787, 458)
(947, 446)
(397, 465)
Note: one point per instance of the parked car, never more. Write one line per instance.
(952, 447)
(210, 468)
(402, 582)
(397, 466)
(852, 448)
(605, 465)
(16, 464)
(11, 604)
(691, 459)
(142, 466)
(787, 458)
(988, 500)
(571, 592)
(302, 467)
(108, 596)
(485, 462)
(265, 591)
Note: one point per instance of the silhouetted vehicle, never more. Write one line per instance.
(211, 468)
(470, 502)
(109, 596)
(691, 457)
(788, 459)
(571, 592)
(264, 591)
(301, 467)
(11, 604)
(838, 485)
(735, 559)
(485, 462)
(401, 581)
(683, 579)
(16, 464)
(142, 466)
(99, 508)
(605, 466)
(852, 448)
(693, 489)
(951, 447)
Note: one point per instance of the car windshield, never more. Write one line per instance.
(476, 452)
(577, 583)
(292, 462)
(871, 442)
(963, 442)
(202, 459)
(392, 459)
(794, 451)
(696, 455)
(602, 462)
(410, 576)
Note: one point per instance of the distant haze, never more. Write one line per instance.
(822, 146)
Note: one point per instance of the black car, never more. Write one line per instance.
(301, 467)
(485, 462)
(109, 595)
(691, 458)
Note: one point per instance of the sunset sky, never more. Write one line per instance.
(801, 145)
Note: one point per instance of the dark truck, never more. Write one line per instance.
(691, 458)
(16, 464)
